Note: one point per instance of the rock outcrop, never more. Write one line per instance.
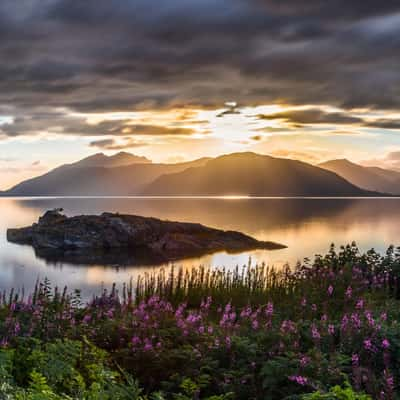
(165, 239)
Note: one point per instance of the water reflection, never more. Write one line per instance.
(306, 226)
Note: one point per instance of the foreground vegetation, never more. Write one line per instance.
(327, 330)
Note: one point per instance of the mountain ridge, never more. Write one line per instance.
(368, 178)
(259, 175)
(243, 173)
(77, 180)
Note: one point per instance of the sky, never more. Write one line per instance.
(180, 79)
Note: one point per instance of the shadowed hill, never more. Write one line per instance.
(254, 175)
(369, 178)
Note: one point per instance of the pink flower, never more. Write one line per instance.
(299, 379)
(389, 381)
(314, 332)
(360, 304)
(368, 344)
(385, 343)
(304, 360)
(355, 360)
(331, 329)
(330, 290)
(135, 340)
(270, 309)
(314, 307)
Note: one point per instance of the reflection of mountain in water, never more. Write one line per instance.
(246, 215)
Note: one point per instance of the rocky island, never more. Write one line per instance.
(88, 235)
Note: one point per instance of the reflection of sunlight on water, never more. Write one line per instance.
(306, 226)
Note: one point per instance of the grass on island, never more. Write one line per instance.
(327, 329)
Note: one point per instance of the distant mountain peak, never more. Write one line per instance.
(120, 159)
(368, 178)
(343, 161)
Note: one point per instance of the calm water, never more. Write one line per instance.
(306, 226)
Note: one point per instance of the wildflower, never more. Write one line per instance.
(389, 380)
(368, 344)
(355, 360)
(288, 326)
(314, 333)
(17, 328)
(86, 318)
(148, 346)
(344, 323)
(299, 379)
(330, 290)
(270, 309)
(304, 360)
(384, 316)
(314, 307)
(135, 340)
(360, 304)
(246, 312)
(356, 321)
(331, 329)
(303, 302)
(349, 292)
(385, 343)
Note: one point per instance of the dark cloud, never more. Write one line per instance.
(112, 144)
(313, 116)
(156, 130)
(62, 123)
(384, 124)
(102, 55)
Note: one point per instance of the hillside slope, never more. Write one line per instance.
(369, 178)
(78, 180)
(252, 174)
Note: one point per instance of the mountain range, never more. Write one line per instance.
(246, 174)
